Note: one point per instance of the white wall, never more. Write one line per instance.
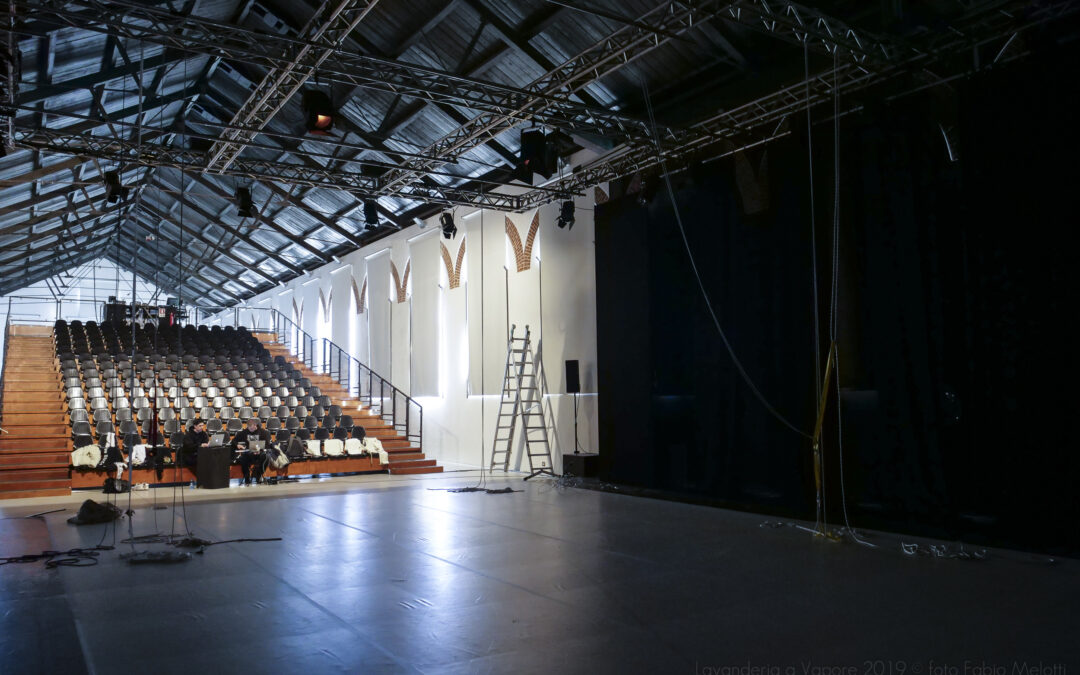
(556, 298)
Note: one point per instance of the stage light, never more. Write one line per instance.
(371, 213)
(245, 208)
(114, 191)
(566, 215)
(319, 112)
(449, 229)
(537, 155)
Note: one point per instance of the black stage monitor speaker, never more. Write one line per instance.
(573, 382)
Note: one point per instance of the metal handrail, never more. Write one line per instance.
(295, 340)
(378, 393)
(403, 412)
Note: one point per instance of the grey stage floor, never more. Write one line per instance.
(376, 575)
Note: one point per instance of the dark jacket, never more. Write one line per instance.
(193, 440)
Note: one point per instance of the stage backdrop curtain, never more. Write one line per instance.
(954, 319)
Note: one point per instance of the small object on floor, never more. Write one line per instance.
(192, 542)
(140, 557)
(115, 486)
(92, 513)
(504, 491)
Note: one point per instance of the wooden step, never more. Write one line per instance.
(405, 456)
(39, 484)
(395, 465)
(17, 475)
(397, 471)
(36, 396)
(35, 460)
(17, 430)
(401, 449)
(24, 494)
(34, 445)
(59, 416)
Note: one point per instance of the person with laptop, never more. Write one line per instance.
(195, 438)
(250, 443)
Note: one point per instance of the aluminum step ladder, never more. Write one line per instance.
(521, 398)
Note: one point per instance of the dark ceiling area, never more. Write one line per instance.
(184, 105)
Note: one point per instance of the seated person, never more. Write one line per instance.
(195, 438)
(250, 459)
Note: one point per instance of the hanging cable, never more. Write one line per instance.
(835, 297)
(818, 513)
(701, 284)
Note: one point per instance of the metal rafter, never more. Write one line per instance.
(17, 249)
(176, 251)
(209, 217)
(325, 32)
(291, 236)
(757, 121)
(48, 267)
(131, 249)
(149, 153)
(130, 20)
(154, 212)
(146, 269)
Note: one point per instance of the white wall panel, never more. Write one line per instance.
(424, 255)
(379, 293)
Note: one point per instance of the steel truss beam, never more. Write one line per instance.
(148, 153)
(326, 31)
(129, 20)
(667, 21)
(758, 121)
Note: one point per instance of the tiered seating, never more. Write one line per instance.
(145, 385)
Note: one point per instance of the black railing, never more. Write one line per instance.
(360, 381)
(375, 391)
(296, 341)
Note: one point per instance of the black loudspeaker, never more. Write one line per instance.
(573, 382)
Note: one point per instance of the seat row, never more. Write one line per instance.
(171, 435)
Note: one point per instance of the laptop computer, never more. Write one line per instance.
(256, 446)
(217, 439)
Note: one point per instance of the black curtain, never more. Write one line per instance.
(954, 318)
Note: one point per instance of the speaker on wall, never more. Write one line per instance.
(573, 382)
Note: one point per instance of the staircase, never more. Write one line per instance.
(36, 452)
(404, 458)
